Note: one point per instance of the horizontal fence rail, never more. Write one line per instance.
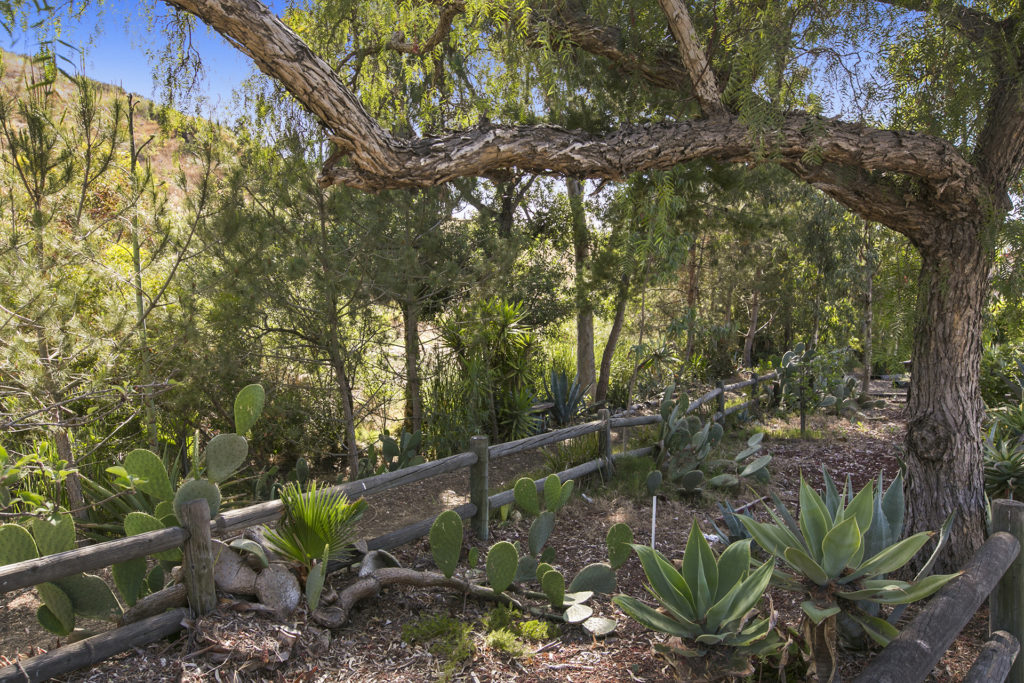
(161, 614)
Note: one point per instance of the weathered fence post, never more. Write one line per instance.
(755, 398)
(478, 486)
(720, 385)
(604, 441)
(197, 564)
(1006, 612)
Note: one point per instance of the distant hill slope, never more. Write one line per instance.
(170, 130)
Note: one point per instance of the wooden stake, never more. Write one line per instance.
(478, 485)
(1005, 612)
(197, 565)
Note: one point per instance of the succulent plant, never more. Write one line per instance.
(446, 534)
(684, 443)
(618, 540)
(827, 556)
(567, 399)
(708, 607)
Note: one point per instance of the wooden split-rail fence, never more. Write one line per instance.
(164, 612)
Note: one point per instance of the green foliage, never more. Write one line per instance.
(683, 443)
(1002, 374)
(1004, 466)
(594, 578)
(537, 630)
(526, 496)
(394, 454)
(150, 473)
(505, 641)
(568, 399)
(317, 523)
(826, 553)
(707, 604)
(16, 544)
(443, 636)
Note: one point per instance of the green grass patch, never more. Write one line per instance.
(444, 637)
(506, 641)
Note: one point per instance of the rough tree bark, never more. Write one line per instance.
(944, 472)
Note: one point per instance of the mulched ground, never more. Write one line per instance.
(237, 646)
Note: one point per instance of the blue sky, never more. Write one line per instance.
(114, 40)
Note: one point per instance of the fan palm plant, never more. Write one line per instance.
(316, 524)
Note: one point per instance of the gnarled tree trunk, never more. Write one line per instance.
(585, 373)
(944, 468)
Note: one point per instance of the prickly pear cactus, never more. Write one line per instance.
(540, 530)
(57, 614)
(16, 544)
(618, 540)
(148, 467)
(195, 489)
(136, 523)
(130, 579)
(224, 455)
(248, 407)
(502, 562)
(53, 534)
(596, 578)
(446, 541)
(553, 585)
(526, 496)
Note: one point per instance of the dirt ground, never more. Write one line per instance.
(231, 645)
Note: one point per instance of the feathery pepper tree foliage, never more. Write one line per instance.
(925, 133)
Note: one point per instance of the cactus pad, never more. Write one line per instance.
(654, 482)
(54, 535)
(527, 568)
(597, 577)
(552, 493)
(446, 541)
(526, 496)
(130, 579)
(90, 596)
(599, 627)
(16, 544)
(136, 523)
(502, 562)
(146, 465)
(195, 489)
(58, 604)
(618, 540)
(248, 407)
(50, 622)
(553, 585)
(578, 613)
(540, 530)
(224, 454)
(691, 481)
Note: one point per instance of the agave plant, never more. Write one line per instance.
(1004, 466)
(708, 608)
(567, 399)
(825, 553)
(316, 524)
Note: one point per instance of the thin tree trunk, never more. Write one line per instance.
(868, 328)
(585, 374)
(693, 271)
(413, 393)
(613, 339)
(140, 314)
(748, 340)
(945, 410)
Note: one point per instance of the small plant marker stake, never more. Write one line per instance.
(654, 517)
(478, 486)
(197, 564)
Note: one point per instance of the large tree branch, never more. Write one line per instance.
(370, 158)
(604, 41)
(696, 62)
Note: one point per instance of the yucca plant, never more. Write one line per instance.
(1004, 466)
(825, 553)
(708, 608)
(567, 399)
(316, 524)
